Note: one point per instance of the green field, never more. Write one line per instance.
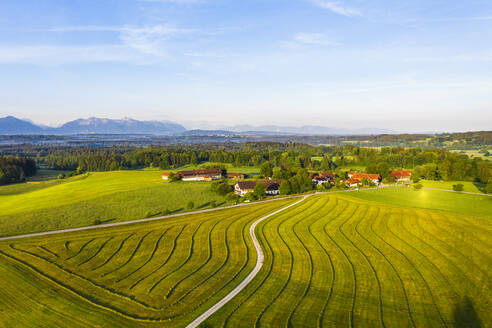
(108, 196)
(158, 273)
(430, 199)
(331, 261)
(448, 185)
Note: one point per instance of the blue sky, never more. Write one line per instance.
(407, 65)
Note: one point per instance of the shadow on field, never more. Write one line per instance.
(203, 205)
(480, 186)
(178, 210)
(465, 316)
(107, 221)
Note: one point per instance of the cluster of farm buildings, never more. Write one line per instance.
(242, 187)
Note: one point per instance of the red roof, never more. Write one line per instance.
(401, 173)
(352, 181)
(200, 172)
(166, 174)
(356, 175)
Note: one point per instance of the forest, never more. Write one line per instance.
(432, 164)
(16, 169)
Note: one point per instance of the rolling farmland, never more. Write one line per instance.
(108, 196)
(331, 260)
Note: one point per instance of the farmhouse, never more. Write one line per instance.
(402, 175)
(196, 175)
(375, 178)
(243, 187)
(321, 178)
(350, 183)
(235, 176)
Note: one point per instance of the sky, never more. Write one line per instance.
(406, 65)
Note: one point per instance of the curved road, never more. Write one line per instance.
(259, 263)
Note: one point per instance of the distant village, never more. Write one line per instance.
(245, 185)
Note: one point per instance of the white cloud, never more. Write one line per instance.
(318, 39)
(132, 44)
(336, 7)
(181, 2)
(54, 55)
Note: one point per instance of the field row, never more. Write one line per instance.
(330, 261)
(333, 262)
(151, 272)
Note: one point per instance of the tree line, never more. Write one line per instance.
(15, 169)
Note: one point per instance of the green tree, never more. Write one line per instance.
(458, 187)
(488, 189)
(213, 204)
(259, 190)
(285, 188)
(250, 197)
(190, 205)
(232, 197)
(417, 186)
(266, 169)
(166, 211)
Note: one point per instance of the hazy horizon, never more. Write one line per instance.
(406, 66)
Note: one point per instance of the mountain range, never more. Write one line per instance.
(14, 126)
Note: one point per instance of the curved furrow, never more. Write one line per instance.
(211, 274)
(354, 276)
(264, 239)
(457, 249)
(332, 266)
(474, 234)
(437, 269)
(115, 253)
(131, 256)
(49, 251)
(368, 261)
(416, 270)
(291, 254)
(454, 249)
(97, 252)
(190, 254)
(163, 263)
(92, 282)
(316, 217)
(156, 246)
(170, 292)
(81, 249)
(245, 263)
(394, 270)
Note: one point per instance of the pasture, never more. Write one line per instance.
(430, 199)
(158, 273)
(330, 261)
(107, 196)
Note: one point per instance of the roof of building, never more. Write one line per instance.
(234, 174)
(352, 181)
(357, 175)
(401, 173)
(200, 172)
(166, 174)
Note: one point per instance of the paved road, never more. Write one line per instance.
(259, 263)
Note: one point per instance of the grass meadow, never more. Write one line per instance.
(331, 261)
(107, 196)
(430, 199)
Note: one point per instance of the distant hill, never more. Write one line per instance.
(305, 130)
(13, 125)
(10, 125)
(123, 126)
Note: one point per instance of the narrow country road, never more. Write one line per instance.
(259, 263)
